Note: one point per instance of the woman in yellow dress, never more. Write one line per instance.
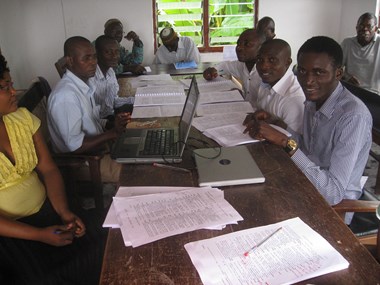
(40, 238)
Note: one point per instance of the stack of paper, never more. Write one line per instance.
(283, 253)
(152, 80)
(157, 96)
(147, 218)
(221, 112)
(160, 95)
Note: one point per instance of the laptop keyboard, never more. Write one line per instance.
(159, 142)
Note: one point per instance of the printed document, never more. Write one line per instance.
(294, 253)
(218, 120)
(147, 218)
(230, 107)
(158, 111)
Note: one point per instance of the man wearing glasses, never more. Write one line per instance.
(361, 55)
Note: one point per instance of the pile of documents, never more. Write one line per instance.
(147, 214)
(283, 253)
(157, 96)
(221, 112)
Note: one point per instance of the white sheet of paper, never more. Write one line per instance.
(230, 107)
(232, 135)
(218, 120)
(148, 218)
(225, 96)
(293, 254)
(111, 219)
(229, 135)
(157, 111)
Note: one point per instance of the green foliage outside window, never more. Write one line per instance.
(227, 19)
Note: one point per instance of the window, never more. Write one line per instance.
(210, 23)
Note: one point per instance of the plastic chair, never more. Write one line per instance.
(61, 66)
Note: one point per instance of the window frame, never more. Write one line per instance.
(206, 28)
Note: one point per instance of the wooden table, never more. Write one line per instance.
(287, 193)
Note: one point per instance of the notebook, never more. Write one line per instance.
(227, 166)
(131, 146)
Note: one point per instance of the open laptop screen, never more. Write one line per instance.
(188, 113)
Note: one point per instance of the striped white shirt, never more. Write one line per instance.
(335, 145)
(106, 92)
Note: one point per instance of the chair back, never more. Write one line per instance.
(35, 100)
(372, 101)
(61, 66)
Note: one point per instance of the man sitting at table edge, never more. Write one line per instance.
(73, 117)
(334, 147)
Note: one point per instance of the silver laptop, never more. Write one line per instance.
(227, 166)
(159, 144)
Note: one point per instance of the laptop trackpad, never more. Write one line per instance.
(132, 140)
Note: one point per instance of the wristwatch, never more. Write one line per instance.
(291, 145)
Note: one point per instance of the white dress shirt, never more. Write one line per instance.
(250, 80)
(72, 113)
(186, 51)
(106, 93)
(285, 100)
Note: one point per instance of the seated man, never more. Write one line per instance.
(333, 149)
(176, 49)
(266, 26)
(107, 87)
(129, 61)
(361, 55)
(244, 68)
(279, 93)
(73, 117)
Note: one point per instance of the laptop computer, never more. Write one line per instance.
(148, 145)
(227, 166)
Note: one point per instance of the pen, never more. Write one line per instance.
(261, 242)
(171, 167)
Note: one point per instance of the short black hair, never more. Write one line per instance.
(322, 44)
(265, 22)
(101, 41)
(3, 66)
(369, 16)
(72, 43)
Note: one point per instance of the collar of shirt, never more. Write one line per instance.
(79, 83)
(86, 89)
(282, 85)
(99, 75)
(180, 45)
(328, 107)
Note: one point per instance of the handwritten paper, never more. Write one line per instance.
(294, 254)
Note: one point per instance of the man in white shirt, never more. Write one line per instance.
(244, 68)
(73, 117)
(279, 93)
(176, 49)
(107, 87)
(361, 55)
